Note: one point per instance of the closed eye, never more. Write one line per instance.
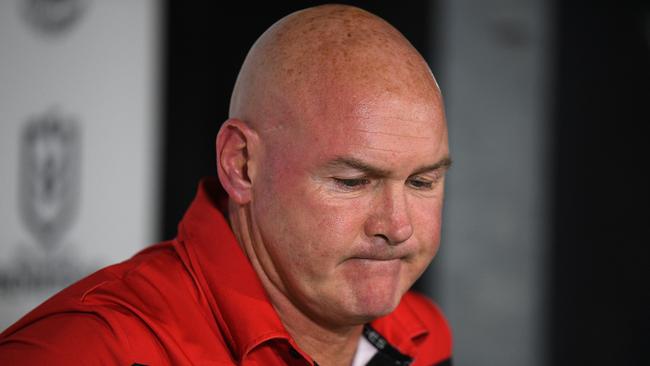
(418, 183)
(351, 183)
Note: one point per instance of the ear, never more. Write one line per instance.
(236, 143)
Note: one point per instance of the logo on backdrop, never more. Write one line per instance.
(49, 200)
(53, 16)
(50, 177)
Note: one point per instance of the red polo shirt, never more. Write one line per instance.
(195, 300)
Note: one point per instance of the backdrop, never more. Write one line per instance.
(79, 137)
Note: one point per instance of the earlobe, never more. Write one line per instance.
(234, 143)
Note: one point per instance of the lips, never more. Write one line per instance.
(384, 253)
(378, 258)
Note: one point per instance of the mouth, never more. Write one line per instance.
(385, 254)
(377, 258)
(381, 254)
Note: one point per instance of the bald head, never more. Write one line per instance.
(316, 57)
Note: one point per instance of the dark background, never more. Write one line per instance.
(597, 308)
(599, 283)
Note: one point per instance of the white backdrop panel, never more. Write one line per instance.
(84, 76)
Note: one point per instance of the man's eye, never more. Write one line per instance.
(351, 183)
(420, 184)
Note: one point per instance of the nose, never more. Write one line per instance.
(389, 218)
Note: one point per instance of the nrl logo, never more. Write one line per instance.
(49, 178)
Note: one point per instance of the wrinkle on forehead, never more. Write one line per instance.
(322, 60)
(392, 134)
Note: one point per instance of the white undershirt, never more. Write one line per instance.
(365, 351)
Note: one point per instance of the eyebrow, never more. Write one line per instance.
(372, 171)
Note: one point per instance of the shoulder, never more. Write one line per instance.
(109, 315)
(66, 338)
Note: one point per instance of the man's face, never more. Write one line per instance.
(347, 205)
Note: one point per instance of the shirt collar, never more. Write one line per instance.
(235, 294)
(403, 328)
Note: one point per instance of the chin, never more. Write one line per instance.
(361, 316)
(375, 302)
(372, 289)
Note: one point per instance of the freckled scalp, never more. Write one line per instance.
(323, 56)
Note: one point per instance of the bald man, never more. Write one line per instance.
(327, 209)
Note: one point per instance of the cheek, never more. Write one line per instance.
(427, 222)
(326, 228)
(338, 225)
(305, 226)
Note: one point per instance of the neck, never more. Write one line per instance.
(327, 345)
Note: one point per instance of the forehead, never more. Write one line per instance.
(383, 130)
